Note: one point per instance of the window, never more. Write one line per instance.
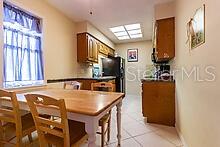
(23, 56)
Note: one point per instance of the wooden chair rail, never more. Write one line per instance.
(47, 127)
(12, 115)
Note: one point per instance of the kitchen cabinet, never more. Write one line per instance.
(164, 39)
(86, 83)
(111, 52)
(88, 48)
(158, 102)
(103, 49)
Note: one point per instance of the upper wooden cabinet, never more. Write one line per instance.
(164, 39)
(88, 48)
(103, 49)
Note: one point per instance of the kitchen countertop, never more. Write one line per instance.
(81, 78)
(156, 80)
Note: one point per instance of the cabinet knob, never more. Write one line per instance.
(165, 55)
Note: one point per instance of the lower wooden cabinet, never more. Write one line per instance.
(86, 83)
(158, 102)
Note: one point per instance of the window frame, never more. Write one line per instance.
(39, 16)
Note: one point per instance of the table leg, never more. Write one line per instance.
(119, 122)
(91, 128)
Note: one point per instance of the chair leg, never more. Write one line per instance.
(103, 135)
(109, 129)
(109, 126)
(1, 134)
(30, 138)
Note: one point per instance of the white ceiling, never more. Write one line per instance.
(111, 13)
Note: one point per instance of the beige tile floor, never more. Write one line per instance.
(135, 131)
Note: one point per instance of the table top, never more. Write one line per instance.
(90, 103)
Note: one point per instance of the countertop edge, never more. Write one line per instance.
(80, 78)
(156, 80)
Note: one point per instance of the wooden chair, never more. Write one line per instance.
(73, 84)
(63, 133)
(106, 120)
(11, 117)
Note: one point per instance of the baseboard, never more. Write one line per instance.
(182, 138)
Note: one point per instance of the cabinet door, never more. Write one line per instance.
(111, 52)
(86, 84)
(90, 48)
(95, 50)
(82, 48)
(165, 39)
(149, 96)
(167, 103)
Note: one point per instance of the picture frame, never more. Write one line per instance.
(196, 28)
(132, 55)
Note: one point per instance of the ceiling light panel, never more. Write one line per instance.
(123, 37)
(136, 36)
(117, 29)
(133, 26)
(118, 34)
(133, 32)
(126, 32)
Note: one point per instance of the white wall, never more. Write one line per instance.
(59, 39)
(198, 103)
(85, 26)
(164, 10)
(133, 85)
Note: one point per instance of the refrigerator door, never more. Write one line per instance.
(115, 67)
(108, 67)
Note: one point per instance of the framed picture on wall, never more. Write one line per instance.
(132, 55)
(196, 28)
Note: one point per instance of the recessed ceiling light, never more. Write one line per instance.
(132, 32)
(136, 36)
(117, 29)
(133, 26)
(123, 37)
(118, 34)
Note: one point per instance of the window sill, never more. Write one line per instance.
(26, 88)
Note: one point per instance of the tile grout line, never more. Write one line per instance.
(138, 142)
(168, 139)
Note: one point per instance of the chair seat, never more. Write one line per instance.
(27, 122)
(27, 125)
(76, 131)
(104, 119)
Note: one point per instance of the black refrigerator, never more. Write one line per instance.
(115, 66)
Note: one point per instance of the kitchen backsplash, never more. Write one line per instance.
(84, 70)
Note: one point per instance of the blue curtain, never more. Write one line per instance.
(22, 46)
(14, 15)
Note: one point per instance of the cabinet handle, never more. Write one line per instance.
(165, 55)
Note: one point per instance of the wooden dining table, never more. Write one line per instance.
(83, 106)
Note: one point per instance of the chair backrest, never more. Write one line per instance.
(10, 114)
(46, 125)
(72, 84)
(108, 85)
